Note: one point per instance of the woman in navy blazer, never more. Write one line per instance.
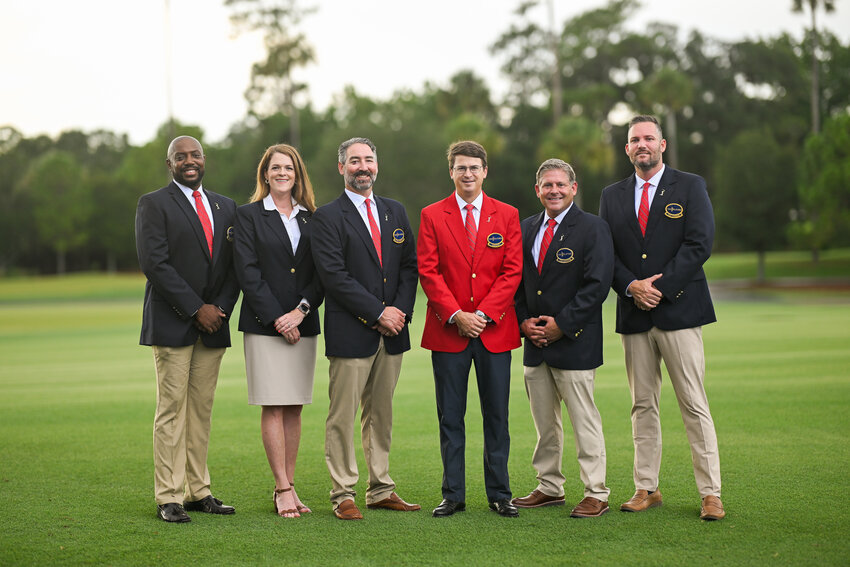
(281, 293)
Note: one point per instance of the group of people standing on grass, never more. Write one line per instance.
(489, 280)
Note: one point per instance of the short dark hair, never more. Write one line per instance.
(646, 118)
(466, 148)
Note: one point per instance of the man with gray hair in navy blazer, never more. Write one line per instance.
(663, 228)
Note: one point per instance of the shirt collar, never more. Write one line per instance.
(268, 204)
(187, 190)
(560, 216)
(652, 180)
(357, 198)
(475, 203)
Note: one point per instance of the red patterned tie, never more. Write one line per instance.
(469, 225)
(643, 211)
(544, 244)
(205, 220)
(373, 228)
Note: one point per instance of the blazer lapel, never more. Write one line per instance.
(561, 234)
(304, 218)
(454, 225)
(663, 197)
(627, 204)
(353, 218)
(388, 224)
(275, 224)
(194, 221)
(486, 222)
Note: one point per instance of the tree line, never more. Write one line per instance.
(738, 113)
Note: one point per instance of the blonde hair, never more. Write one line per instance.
(302, 191)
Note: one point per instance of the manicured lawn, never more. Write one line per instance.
(76, 478)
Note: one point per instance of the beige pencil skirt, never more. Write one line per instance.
(279, 374)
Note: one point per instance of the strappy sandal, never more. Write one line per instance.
(277, 510)
(302, 508)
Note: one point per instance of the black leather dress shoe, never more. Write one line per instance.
(504, 508)
(448, 507)
(209, 505)
(173, 512)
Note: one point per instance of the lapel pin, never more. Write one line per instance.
(662, 192)
(217, 207)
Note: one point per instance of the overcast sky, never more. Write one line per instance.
(92, 64)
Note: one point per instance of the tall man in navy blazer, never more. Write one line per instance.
(663, 228)
(365, 254)
(184, 244)
(568, 263)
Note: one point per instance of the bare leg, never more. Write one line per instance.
(292, 435)
(274, 441)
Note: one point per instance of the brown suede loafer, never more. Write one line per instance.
(711, 509)
(347, 510)
(393, 502)
(590, 507)
(537, 499)
(642, 500)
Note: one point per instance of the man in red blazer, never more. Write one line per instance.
(470, 264)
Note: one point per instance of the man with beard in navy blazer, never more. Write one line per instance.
(185, 249)
(663, 228)
(568, 263)
(365, 254)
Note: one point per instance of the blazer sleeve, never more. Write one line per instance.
(440, 297)
(152, 249)
(623, 276)
(695, 248)
(501, 295)
(408, 277)
(256, 290)
(598, 273)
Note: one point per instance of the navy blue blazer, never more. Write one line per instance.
(678, 241)
(357, 287)
(577, 272)
(273, 278)
(181, 276)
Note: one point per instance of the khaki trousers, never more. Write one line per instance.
(185, 386)
(369, 383)
(683, 355)
(546, 387)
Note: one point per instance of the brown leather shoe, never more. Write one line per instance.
(347, 510)
(537, 499)
(711, 509)
(642, 500)
(394, 503)
(590, 507)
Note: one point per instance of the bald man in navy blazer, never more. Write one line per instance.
(663, 228)
(190, 293)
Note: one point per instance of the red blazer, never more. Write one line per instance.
(452, 280)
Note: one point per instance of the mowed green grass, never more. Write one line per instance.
(76, 474)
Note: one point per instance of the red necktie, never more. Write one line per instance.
(469, 225)
(205, 220)
(373, 228)
(544, 244)
(643, 211)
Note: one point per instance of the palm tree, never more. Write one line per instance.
(828, 6)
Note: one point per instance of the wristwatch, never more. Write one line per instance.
(304, 308)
